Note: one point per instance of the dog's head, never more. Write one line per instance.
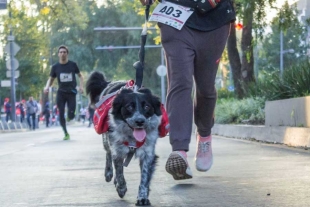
(138, 112)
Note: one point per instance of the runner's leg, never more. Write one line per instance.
(61, 102)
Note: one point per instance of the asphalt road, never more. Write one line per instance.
(38, 168)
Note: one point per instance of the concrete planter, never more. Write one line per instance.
(293, 112)
(291, 136)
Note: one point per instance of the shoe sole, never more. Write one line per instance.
(177, 167)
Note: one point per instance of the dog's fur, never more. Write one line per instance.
(130, 110)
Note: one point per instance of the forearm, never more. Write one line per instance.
(49, 83)
(81, 81)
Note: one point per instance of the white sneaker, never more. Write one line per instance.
(204, 157)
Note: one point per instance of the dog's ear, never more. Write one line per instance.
(118, 101)
(155, 100)
(156, 104)
(145, 91)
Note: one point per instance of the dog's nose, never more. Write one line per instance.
(140, 122)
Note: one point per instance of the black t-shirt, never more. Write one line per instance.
(65, 74)
(222, 14)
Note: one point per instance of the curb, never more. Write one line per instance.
(290, 136)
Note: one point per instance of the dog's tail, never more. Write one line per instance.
(95, 84)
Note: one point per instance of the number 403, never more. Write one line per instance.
(170, 11)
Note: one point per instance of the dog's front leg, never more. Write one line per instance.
(119, 181)
(147, 167)
(108, 172)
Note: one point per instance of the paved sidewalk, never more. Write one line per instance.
(39, 169)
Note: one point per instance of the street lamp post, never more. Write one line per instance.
(13, 92)
(281, 53)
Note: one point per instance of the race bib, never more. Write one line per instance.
(66, 77)
(171, 14)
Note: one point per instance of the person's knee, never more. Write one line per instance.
(71, 114)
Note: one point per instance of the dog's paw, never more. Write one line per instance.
(121, 191)
(108, 175)
(143, 202)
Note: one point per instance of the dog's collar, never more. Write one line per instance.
(132, 150)
(135, 145)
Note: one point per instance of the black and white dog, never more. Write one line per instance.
(133, 130)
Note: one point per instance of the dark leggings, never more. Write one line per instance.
(192, 56)
(31, 124)
(63, 99)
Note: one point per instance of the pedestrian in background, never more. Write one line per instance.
(65, 71)
(21, 107)
(83, 114)
(7, 109)
(193, 52)
(38, 113)
(32, 108)
(47, 114)
(55, 115)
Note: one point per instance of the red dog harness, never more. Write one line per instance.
(101, 115)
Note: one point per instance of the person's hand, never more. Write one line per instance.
(46, 90)
(147, 2)
(81, 90)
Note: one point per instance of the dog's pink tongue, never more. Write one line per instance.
(139, 134)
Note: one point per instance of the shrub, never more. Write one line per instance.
(224, 93)
(245, 111)
(294, 83)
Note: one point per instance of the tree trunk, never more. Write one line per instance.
(247, 58)
(234, 60)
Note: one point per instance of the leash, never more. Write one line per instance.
(139, 65)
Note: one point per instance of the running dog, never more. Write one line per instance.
(133, 121)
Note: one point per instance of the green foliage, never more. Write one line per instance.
(245, 111)
(295, 83)
(257, 8)
(268, 52)
(69, 12)
(32, 57)
(41, 28)
(223, 93)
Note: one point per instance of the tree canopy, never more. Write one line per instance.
(41, 26)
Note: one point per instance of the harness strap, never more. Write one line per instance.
(129, 84)
(103, 99)
(132, 151)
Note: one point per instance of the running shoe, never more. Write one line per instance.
(204, 157)
(178, 167)
(67, 137)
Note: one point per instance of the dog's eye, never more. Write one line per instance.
(146, 107)
(129, 107)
